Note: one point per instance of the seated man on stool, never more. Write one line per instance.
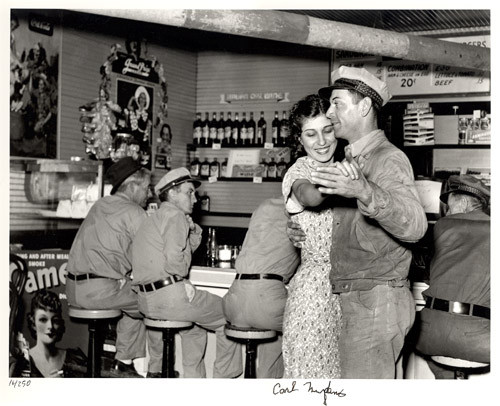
(161, 258)
(257, 296)
(456, 319)
(99, 262)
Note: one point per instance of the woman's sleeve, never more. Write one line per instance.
(297, 171)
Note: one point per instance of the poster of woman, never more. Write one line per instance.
(34, 81)
(136, 101)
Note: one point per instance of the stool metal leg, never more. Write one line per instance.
(250, 360)
(167, 366)
(92, 371)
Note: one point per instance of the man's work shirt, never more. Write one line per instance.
(367, 240)
(103, 242)
(266, 248)
(163, 246)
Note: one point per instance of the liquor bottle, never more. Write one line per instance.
(271, 169)
(235, 135)
(195, 166)
(207, 251)
(284, 130)
(214, 248)
(251, 130)
(228, 130)
(261, 130)
(281, 168)
(215, 168)
(205, 130)
(243, 130)
(220, 128)
(275, 129)
(223, 169)
(197, 129)
(205, 202)
(265, 168)
(212, 131)
(205, 169)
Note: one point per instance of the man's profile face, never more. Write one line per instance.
(184, 197)
(343, 114)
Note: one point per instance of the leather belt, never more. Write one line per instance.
(457, 307)
(259, 276)
(84, 276)
(149, 287)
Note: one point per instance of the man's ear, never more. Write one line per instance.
(365, 105)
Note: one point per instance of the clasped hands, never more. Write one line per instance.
(339, 178)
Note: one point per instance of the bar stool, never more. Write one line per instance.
(93, 317)
(251, 338)
(169, 329)
(462, 368)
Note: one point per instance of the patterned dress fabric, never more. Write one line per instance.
(313, 316)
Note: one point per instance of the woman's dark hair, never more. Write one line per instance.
(169, 130)
(308, 107)
(48, 301)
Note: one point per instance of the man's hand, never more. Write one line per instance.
(191, 222)
(295, 233)
(333, 180)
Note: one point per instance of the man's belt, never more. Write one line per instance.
(149, 287)
(457, 307)
(259, 276)
(84, 276)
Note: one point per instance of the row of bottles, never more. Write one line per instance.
(233, 133)
(205, 169)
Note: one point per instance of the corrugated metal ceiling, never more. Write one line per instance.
(420, 22)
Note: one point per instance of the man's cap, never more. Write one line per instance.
(173, 178)
(466, 184)
(121, 170)
(360, 80)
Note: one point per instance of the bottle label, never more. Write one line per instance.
(214, 171)
(205, 132)
(197, 133)
(275, 133)
(271, 171)
(227, 132)
(195, 170)
(235, 134)
(213, 133)
(243, 134)
(220, 134)
(223, 171)
(250, 133)
(205, 170)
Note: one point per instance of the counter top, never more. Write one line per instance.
(212, 276)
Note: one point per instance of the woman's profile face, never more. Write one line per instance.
(318, 138)
(47, 326)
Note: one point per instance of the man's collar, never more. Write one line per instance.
(364, 143)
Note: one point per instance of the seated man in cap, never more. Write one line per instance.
(456, 319)
(381, 213)
(258, 295)
(161, 258)
(100, 263)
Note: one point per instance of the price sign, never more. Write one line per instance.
(212, 179)
(216, 145)
(408, 78)
(257, 179)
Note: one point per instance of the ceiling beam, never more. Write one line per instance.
(305, 30)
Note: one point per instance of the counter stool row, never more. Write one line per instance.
(250, 337)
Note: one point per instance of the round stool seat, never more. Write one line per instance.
(248, 333)
(457, 363)
(166, 323)
(80, 313)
